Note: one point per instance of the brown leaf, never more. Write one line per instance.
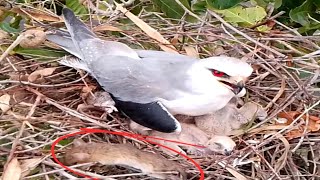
(5, 102)
(33, 38)
(13, 170)
(28, 165)
(151, 32)
(87, 90)
(313, 124)
(40, 73)
(106, 27)
(191, 51)
(36, 14)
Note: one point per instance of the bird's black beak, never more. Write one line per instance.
(236, 88)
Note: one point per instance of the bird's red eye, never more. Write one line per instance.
(217, 73)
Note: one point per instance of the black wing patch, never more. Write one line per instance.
(152, 115)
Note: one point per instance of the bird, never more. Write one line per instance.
(151, 86)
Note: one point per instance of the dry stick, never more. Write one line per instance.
(271, 69)
(42, 85)
(289, 126)
(151, 32)
(33, 107)
(303, 134)
(13, 45)
(245, 35)
(278, 95)
(265, 161)
(14, 145)
(68, 110)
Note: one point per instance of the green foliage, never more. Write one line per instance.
(7, 27)
(245, 17)
(172, 9)
(303, 14)
(43, 53)
(222, 4)
(306, 15)
(264, 3)
(199, 6)
(76, 7)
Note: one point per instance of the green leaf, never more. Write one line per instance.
(7, 28)
(287, 5)
(172, 9)
(43, 53)
(222, 4)
(65, 142)
(245, 17)
(307, 28)
(261, 3)
(264, 28)
(199, 6)
(317, 4)
(277, 3)
(76, 7)
(305, 13)
(16, 23)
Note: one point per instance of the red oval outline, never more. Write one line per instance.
(136, 136)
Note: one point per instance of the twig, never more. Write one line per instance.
(14, 145)
(42, 85)
(246, 36)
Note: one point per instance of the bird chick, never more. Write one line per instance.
(123, 155)
(192, 135)
(230, 118)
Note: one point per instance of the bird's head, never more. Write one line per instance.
(230, 72)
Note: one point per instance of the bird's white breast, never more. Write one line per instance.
(196, 105)
(205, 95)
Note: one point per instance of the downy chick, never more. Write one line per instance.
(192, 135)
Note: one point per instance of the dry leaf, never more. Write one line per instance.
(235, 173)
(5, 102)
(33, 38)
(313, 124)
(191, 51)
(36, 14)
(40, 73)
(87, 90)
(106, 27)
(3, 35)
(13, 170)
(151, 32)
(28, 165)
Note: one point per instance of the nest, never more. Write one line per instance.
(285, 79)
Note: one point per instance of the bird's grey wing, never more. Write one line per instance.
(141, 81)
(152, 115)
(159, 55)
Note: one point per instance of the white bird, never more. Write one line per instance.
(152, 86)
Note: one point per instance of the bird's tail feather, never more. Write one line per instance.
(65, 42)
(78, 30)
(75, 63)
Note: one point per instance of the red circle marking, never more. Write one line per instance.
(136, 136)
